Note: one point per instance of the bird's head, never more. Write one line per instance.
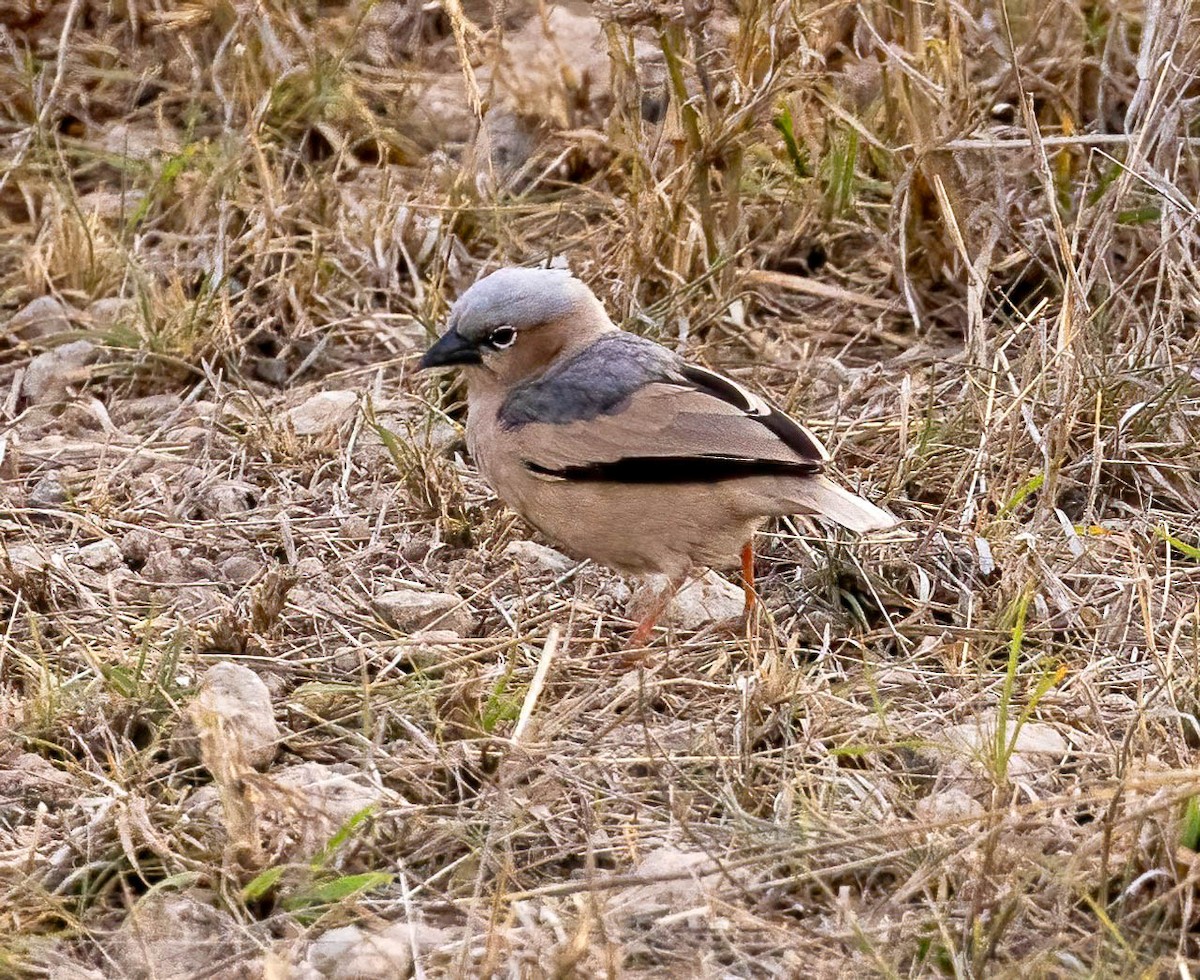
(512, 324)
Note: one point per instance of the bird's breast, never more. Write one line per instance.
(494, 455)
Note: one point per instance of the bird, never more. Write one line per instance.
(618, 449)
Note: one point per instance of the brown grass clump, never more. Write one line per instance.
(960, 240)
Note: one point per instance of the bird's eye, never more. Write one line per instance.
(502, 337)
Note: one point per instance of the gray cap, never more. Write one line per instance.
(518, 298)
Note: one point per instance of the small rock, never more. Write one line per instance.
(896, 677)
(24, 558)
(1037, 745)
(232, 708)
(325, 411)
(196, 437)
(208, 411)
(27, 779)
(138, 142)
(701, 601)
(308, 569)
(615, 595)
(352, 952)
(947, 805)
(316, 802)
(339, 791)
(415, 548)
(110, 205)
(101, 556)
(138, 544)
(48, 492)
(408, 610)
(224, 499)
(280, 964)
(64, 967)
(563, 49)
(676, 893)
(200, 568)
(355, 528)
(319, 601)
(40, 318)
(347, 660)
(156, 407)
(174, 935)
(106, 312)
(425, 648)
(51, 373)
(239, 569)
(277, 684)
(538, 557)
(272, 370)
(505, 142)
(164, 566)
(201, 803)
(444, 437)
(331, 948)
(199, 602)
(334, 947)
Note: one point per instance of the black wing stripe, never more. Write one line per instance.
(726, 389)
(792, 433)
(674, 469)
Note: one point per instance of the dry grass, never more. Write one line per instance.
(960, 240)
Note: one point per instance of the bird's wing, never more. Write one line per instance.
(697, 426)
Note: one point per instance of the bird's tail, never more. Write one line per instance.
(823, 498)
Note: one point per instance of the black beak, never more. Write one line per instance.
(451, 348)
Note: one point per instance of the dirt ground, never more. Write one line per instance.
(286, 692)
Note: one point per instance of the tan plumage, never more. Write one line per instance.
(616, 448)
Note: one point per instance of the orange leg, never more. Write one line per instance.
(646, 626)
(748, 577)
